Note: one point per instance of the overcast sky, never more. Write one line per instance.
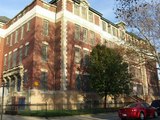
(10, 8)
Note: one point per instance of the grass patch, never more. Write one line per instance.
(56, 113)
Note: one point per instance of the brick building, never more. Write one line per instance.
(44, 45)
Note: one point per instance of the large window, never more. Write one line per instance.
(5, 62)
(103, 25)
(43, 81)
(11, 40)
(77, 55)
(16, 36)
(84, 13)
(14, 58)
(90, 16)
(82, 82)
(77, 32)
(85, 57)
(45, 27)
(25, 77)
(26, 50)
(22, 32)
(28, 26)
(9, 60)
(109, 28)
(20, 55)
(44, 52)
(76, 9)
(92, 38)
(85, 35)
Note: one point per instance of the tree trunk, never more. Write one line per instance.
(105, 101)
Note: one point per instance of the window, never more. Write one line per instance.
(16, 36)
(22, 32)
(84, 13)
(77, 55)
(28, 26)
(103, 25)
(9, 60)
(109, 28)
(90, 16)
(14, 58)
(11, 39)
(5, 62)
(20, 56)
(44, 52)
(43, 81)
(26, 50)
(77, 32)
(114, 31)
(76, 9)
(45, 27)
(18, 84)
(85, 57)
(92, 38)
(85, 35)
(25, 77)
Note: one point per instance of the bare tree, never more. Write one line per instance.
(143, 18)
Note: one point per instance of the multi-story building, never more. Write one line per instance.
(44, 46)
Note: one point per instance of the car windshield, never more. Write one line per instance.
(131, 105)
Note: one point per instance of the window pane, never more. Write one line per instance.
(26, 50)
(9, 60)
(25, 77)
(104, 26)
(85, 34)
(85, 58)
(76, 9)
(16, 36)
(84, 13)
(90, 16)
(45, 27)
(20, 55)
(28, 26)
(5, 63)
(43, 81)
(44, 52)
(77, 55)
(22, 32)
(77, 32)
(14, 59)
(92, 38)
(11, 38)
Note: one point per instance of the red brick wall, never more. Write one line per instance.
(38, 63)
(71, 66)
(59, 5)
(1, 58)
(57, 57)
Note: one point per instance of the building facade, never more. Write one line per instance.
(45, 49)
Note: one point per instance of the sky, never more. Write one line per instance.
(11, 8)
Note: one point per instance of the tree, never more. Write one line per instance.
(143, 18)
(108, 72)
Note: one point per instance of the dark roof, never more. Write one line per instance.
(4, 19)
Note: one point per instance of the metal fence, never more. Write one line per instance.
(45, 106)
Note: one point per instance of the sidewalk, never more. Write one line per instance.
(103, 116)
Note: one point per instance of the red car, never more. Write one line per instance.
(138, 110)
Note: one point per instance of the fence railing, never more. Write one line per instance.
(46, 106)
